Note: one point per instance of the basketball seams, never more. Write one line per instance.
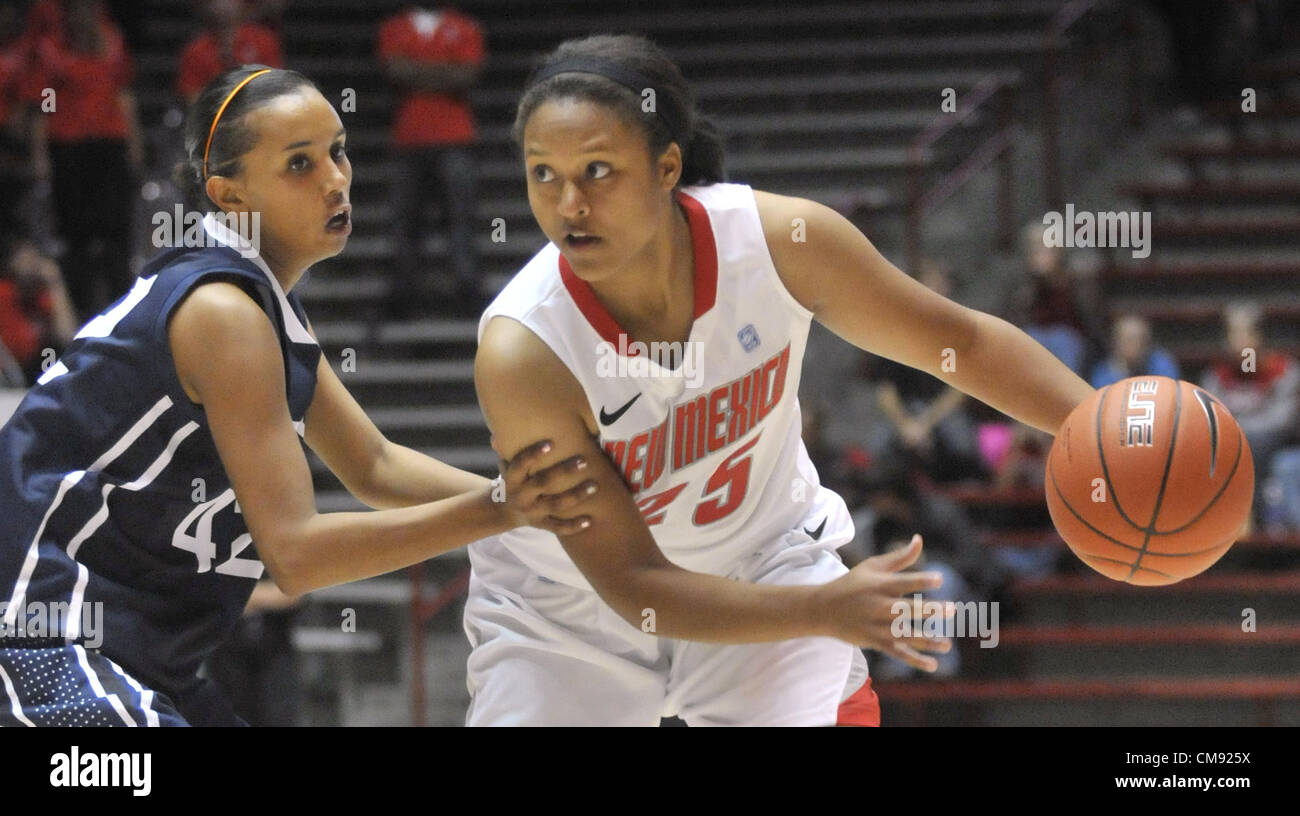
(1241, 442)
(1181, 490)
(1064, 501)
(1087, 556)
(1078, 516)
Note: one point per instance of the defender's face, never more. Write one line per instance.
(298, 178)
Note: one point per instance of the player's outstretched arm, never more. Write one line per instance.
(837, 274)
(228, 359)
(525, 390)
(377, 471)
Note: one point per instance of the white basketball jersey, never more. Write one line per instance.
(711, 449)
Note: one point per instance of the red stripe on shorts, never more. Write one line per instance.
(862, 708)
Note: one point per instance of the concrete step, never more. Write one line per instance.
(1138, 650)
(1141, 702)
(1216, 596)
(381, 382)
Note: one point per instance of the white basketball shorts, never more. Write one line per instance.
(545, 653)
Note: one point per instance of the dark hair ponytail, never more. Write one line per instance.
(703, 152)
(703, 161)
(232, 138)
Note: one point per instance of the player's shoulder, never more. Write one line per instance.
(784, 215)
(219, 307)
(536, 284)
(720, 196)
(776, 211)
(515, 367)
(221, 338)
(533, 295)
(213, 284)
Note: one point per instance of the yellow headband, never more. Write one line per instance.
(222, 110)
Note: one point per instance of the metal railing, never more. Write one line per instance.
(999, 92)
(422, 611)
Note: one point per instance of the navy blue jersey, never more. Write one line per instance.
(112, 494)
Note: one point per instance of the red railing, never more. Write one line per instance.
(995, 90)
(422, 611)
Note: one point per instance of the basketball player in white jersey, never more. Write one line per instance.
(664, 325)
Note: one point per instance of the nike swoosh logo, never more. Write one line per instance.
(607, 418)
(1212, 417)
(817, 534)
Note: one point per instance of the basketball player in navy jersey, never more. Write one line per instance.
(665, 326)
(156, 472)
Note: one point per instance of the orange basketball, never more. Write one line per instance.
(1150, 480)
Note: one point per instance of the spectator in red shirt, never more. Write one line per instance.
(1261, 388)
(16, 123)
(45, 19)
(228, 40)
(14, 56)
(35, 313)
(93, 142)
(434, 58)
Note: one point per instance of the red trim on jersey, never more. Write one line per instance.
(706, 275)
(584, 297)
(706, 254)
(862, 708)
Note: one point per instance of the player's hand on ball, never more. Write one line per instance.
(863, 606)
(543, 492)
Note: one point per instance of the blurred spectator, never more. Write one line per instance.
(433, 58)
(35, 313)
(812, 415)
(17, 119)
(1132, 355)
(11, 377)
(1021, 460)
(1281, 493)
(892, 508)
(930, 427)
(267, 13)
(1262, 397)
(1060, 305)
(257, 666)
(45, 18)
(94, 147)
(227, 40)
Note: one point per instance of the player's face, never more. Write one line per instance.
(299, 178)
(591, 184)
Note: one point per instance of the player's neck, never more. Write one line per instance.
(649, 296)
(287, 273)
